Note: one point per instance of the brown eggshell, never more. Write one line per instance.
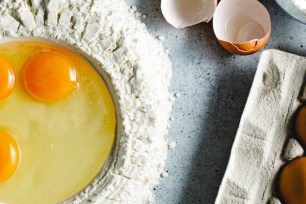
(300, 125)
(184, 13)
(292, 182)
(245, 48)
(242, 26)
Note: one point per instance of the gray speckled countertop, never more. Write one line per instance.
(214, 86)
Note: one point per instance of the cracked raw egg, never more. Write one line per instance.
(49, 77)
(57, 123)
(7, 79)
(9, 156)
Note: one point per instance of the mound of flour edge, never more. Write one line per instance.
(140, 73)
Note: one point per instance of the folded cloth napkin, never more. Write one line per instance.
(262, 137)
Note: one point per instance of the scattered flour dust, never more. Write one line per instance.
(301, 4)
(139, 70)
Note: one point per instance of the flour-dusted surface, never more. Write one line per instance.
(214, 86)
(262, 142)
(107, 32)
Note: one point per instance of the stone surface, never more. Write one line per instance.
(213, 87)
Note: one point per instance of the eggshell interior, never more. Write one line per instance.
(241, 21)
(183, 13)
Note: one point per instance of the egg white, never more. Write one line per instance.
(63, 145)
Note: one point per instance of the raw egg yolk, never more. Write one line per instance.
(7, 79)
(292, 183)
(9, 156)
(300, 126)
(49, 77)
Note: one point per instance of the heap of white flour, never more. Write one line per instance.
(264, 142)
(139, 71)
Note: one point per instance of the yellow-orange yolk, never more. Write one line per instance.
(64, 145)
(300, 126)
(9, 156)
(7, 79)
(292, 183)
(49, 77)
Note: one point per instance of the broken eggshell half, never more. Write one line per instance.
(242, 26)
(184, 13)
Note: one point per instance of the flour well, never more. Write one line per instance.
(120, 47)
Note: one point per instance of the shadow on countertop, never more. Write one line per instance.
(210, 161)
